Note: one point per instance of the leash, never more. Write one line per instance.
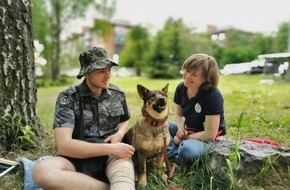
(170, 187)
(161, 123)
(170, 173)
(263, 141)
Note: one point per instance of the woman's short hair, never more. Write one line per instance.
(209, 66)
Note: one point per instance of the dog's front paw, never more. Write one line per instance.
(164, 177)
(142, 180)
(142, 183)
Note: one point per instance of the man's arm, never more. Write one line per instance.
(123, 127)
(75, 148)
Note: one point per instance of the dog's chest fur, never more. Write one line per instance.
(149, 139)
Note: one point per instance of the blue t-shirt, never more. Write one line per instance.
(195, 109)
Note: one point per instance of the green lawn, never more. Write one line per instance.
(265, 110)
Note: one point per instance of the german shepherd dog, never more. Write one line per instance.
(151, 132)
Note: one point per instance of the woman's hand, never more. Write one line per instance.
(176, 140)
(181, 134)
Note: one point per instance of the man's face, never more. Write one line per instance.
(99, 78)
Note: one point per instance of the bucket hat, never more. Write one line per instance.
(96, 58)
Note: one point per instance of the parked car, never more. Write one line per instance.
(261, 66)
(257, 66)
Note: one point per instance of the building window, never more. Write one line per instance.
(120, 34)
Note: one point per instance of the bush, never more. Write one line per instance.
(13, 133)
(163, 71)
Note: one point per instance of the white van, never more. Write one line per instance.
(236, 68)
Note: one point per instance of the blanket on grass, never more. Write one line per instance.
(28, 165)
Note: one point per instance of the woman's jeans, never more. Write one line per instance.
(188, 150)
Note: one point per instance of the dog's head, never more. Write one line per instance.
(154, 101)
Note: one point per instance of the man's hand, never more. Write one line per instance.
(115, 138)
(122, 150)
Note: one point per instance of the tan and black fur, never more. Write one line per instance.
(147, 135)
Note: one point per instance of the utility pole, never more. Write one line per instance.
(289, 35)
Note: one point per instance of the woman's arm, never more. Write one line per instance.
(179, 119)
(211, 127)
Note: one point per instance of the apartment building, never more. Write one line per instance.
(110, 35)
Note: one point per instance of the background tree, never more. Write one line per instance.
(60, 14)
(42, 33)
(165, 51)
(281, 38)
(171, 46)
(238, 48)
(238, 54)
(106, 9)
(136, 48)
(241, 46)
(261, 44)
(17, 78)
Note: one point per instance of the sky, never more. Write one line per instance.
(249, 15)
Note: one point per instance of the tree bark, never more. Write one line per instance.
(18, 94)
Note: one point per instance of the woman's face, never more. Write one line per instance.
(193, 78)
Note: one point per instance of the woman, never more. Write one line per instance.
(199, 117)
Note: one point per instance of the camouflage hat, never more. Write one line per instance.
(96, 58)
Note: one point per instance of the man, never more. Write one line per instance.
(90, 122)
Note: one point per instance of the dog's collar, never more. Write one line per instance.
(154, 123)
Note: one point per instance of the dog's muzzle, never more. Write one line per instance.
(160, 105)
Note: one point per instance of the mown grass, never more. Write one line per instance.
(265, 110)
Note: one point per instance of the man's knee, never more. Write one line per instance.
(46, 171)
(39, 174)
(121, 176)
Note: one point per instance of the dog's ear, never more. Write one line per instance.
(142, 91)
(165, 88)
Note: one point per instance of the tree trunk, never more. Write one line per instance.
(17, 72)
(55, 39)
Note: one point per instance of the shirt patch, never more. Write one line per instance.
(197, 108)
(64, 100)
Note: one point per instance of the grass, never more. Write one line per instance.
(264, 109)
